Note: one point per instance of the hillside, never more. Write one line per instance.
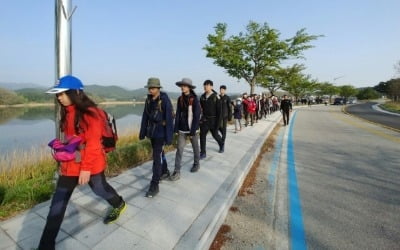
(97, 92)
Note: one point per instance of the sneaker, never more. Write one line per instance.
(175, 176)
(114, 213)
(195, 168)
(165, 176)
(153, 190)
(202, 156)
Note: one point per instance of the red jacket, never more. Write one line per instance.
(93, 157)
(250, 106)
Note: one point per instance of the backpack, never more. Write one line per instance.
(109, 135)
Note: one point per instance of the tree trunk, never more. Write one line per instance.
(252, 86)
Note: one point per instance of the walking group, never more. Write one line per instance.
(191, 120)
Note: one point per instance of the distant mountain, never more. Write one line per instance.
(36, 93)
(16, 86)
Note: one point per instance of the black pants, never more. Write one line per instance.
(159, 160)
(206, 126)
(285, 114)
(65, 187)
(222, 129)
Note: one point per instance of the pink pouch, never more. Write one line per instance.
(65, 151)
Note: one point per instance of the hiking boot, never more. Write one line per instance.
(165, 176)
(202, 156)
(153, 190)
(195, 168)
(221, 148)
(175, 176)
(114, 213)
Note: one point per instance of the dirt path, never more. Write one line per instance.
(245, 226)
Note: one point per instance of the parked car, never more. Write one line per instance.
(338, 101)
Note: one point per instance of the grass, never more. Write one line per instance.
(24, 183)
(391, 106)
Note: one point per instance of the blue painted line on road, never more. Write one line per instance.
(296, 226)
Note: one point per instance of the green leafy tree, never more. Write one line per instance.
(329, 89)
(9, 97)
(367, 94)
(347, 90)
(394, 90)
(296, 83)
(252, 55)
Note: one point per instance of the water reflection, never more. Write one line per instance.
(27, 127)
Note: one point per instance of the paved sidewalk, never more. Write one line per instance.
(186, 214)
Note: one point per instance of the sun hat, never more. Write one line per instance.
(153, 82)
(66, 83)
(187, 82)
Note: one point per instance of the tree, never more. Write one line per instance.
(251, 55)
(397, 67)
(329, 89)
(382, 87)
(367, 94)
(296, 83)
(9, 97)
(394, 90)
(347, 90)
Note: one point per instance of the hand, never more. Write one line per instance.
(84, 177)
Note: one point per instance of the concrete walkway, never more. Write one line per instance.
(186, 214)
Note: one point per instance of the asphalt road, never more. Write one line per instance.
(348, 176)
(366, 111)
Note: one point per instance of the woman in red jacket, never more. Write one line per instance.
(79, 117)
(250, 108)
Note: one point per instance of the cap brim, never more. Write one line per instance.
(56, 90)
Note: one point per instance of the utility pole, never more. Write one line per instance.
(63, 47)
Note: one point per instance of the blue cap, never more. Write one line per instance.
(66, 83)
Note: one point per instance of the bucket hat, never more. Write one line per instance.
(153, 82)
(187, 82)
(66, 83)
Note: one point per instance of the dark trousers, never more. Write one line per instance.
(206, 126)
(65, 187)
(159, 160)
(285, 114)
(246, 118)
(222, 129)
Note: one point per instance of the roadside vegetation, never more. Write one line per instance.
(24, 183)
(391, 106)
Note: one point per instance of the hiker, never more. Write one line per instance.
(237, 114)
(286, 107)
(157, 125)
(210, 117)
(244, 107)
(79, 118)
(226, 111)
(250, 109)
(187, 122)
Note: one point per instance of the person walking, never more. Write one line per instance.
(244, 106)
(79, 118)
(226, 111)
(210, 117)
(157, 125)
(187, 121)
(237, 114)
(286, 107)
(250, 105)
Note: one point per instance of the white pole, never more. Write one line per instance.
(63, 47)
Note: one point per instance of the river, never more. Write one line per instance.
(22, 129)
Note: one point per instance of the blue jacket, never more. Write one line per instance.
(157, 119)
(182, 109)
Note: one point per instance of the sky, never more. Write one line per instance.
(124, 42)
